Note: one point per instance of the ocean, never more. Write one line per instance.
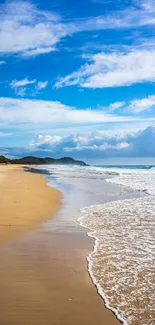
(122, 264)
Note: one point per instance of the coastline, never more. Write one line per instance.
(99, 290)
(44, 277)
(25, 201)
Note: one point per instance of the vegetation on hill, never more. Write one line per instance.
(30, 160)
(4, 160)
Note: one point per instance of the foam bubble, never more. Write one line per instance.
(122, 263)
(137, 179)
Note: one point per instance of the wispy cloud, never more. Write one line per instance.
(27, 30)
(30, 113)
(113, 70)
(2, 62)
(135, 106)
(22, 86)
(21, 83)
(20, 91)
(114, 106)
(41, 85)
(38, 51)
(141, 105)
(136, 14)
(5, 134)
(35, 114)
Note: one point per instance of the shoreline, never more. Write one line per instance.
(25, 201)
(99, 290)
(45, 271)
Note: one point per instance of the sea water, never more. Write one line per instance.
(122, 264)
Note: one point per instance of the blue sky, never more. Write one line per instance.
(77, 78)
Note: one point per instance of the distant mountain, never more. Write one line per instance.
(30, 160)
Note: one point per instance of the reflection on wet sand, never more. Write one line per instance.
(43, 274)
(44, 280)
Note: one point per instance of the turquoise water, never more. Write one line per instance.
(127, 166)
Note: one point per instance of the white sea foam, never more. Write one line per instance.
(90, 172)
(122, 263)
(137, 179)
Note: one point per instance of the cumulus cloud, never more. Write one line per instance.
(91, 145)
(80, 144)
(99, 144)
(113, 70)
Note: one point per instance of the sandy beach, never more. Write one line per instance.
(25, 201)
(43, 272)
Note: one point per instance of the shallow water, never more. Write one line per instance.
(122, 264)
(122, 221)
(124, 256)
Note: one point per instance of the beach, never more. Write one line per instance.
(43, 267)
(25, 201)
(95, 249)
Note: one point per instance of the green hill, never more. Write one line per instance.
(30, 160)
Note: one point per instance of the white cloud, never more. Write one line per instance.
(31, 113)
(116, 105)
(2, 62)
(42, 85)
(79, 142)
(136, 14)
(20, 91)
(102, 144)
(21, 83)
(140, 105)
(148, 5)
(27, 30)
(21, 86)
(20, 112)
(38, 51)
(113, 70)
(5, 134)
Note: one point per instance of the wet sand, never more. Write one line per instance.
(25, 201)
(44, 278)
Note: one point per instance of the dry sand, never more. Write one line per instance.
(43, 274)
(25, 201)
